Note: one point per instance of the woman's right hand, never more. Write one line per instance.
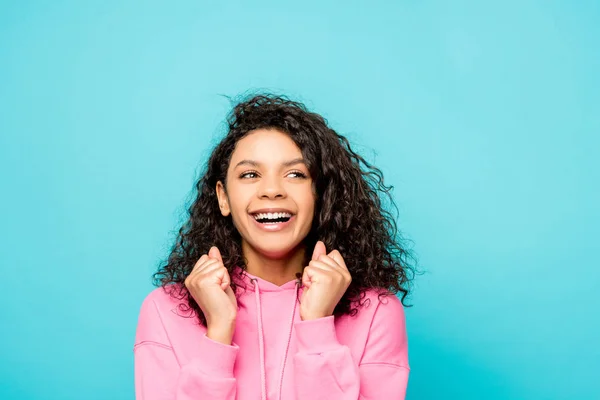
(209, 284)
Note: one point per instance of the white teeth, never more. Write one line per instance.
(272, 215)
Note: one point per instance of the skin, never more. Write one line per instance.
(276, 177)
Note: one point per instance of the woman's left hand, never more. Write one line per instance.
(325, 281)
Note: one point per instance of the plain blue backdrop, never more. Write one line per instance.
(484, 116)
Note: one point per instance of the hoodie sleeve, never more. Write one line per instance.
(325, 369)
(159, 375)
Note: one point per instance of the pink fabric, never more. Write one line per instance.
(350, 357)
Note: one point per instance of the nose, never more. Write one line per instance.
(271, 188)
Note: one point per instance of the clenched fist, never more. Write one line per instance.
(209, 284)
(325, 280)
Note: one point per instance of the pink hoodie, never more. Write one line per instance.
(274, 354)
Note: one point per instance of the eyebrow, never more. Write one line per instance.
(257, 164)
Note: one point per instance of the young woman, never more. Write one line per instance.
(282, 283)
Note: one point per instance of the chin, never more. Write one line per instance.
(275, 252)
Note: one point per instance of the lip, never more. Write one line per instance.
(271, 210)
(273, 227)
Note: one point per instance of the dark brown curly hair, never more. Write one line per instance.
(349, 215)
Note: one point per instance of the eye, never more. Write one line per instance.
(248, 175)
(299, 174)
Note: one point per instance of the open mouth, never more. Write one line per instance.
(272, 218)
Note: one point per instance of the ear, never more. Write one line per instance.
(222, 198)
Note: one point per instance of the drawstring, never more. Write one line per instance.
(287, 346)
(261, 339)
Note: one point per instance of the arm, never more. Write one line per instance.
(325, 368)
(159, 375)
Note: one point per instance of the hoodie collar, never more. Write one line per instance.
(245, 278)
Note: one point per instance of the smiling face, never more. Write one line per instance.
(269, 193)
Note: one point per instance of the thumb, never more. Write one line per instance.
(215, 253)
(319, 250)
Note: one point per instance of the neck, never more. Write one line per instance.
(277, 270)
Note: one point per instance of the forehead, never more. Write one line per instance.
(266, 146)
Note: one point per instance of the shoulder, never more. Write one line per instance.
(382, 303)
(376, 309)
(377, 332)
(160, 300)
(164, 295)
(387, 337)
(155, 309)
(386, 315)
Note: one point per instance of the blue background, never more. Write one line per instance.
(483, 115)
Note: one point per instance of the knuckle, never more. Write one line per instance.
(189, 282)
(217, 267)
(199, 264)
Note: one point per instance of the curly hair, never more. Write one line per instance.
(349, 215)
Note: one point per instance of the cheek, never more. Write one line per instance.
(237, 209)
(308, 205)
(237, 198)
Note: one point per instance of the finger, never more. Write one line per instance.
(204, 267)
(200, 262)
(338, 259)
(306, 277)
(314, 273)
(324, 266)
(329, 261)
(213, 274)
(225, 281)
(319, 249)
(215, 253)
(199, 265)
(210, 266)
(327, 271)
